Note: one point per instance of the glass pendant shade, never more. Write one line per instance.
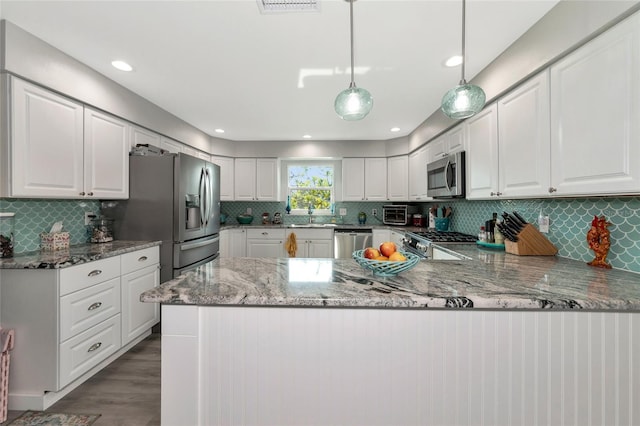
(353, 103)
(463, 101)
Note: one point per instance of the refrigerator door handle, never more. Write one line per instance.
(209, 200)
(202, 191)
(198, 244)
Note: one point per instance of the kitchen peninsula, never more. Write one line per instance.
(498, 339)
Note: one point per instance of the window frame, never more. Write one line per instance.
(337, 175)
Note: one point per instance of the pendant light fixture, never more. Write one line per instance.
(353, 103)
(465, 99)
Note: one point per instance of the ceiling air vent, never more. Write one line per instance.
(285, 6)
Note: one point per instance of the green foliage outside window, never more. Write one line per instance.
(310, 185)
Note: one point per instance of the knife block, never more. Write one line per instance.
(530, 243)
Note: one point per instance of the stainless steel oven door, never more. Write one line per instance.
(445, 177)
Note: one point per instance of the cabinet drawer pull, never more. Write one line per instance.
(142, 258)
(94, 273)
(94, 347)
(94, 306)
(265, 233)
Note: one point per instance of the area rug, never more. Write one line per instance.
(40, 418)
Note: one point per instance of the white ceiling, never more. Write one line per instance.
(223, 64)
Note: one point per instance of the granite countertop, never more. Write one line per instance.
(490, 280)
(75, 255)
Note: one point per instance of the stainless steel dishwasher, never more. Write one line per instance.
(347, 240)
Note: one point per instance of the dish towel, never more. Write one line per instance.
(291, 245)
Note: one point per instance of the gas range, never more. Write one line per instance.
(420, 242)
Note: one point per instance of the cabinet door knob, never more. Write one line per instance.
(94, 273)
(552, 189)
(90, 194)
(94, 347)
(82, 193)
(492, 193)
(94, 306)
(265, 233)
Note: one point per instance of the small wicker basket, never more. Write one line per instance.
(386, 268)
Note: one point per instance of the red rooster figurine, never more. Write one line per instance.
(599, 241)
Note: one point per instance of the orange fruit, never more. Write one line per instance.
(397, 257)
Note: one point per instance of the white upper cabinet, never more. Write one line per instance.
(449, 143)
(170, 145)
(482, 153)
(353, 179)
(256, 179)
(203, 155)
(418, 174)
(190, 151)
(375, 179)
(46, 144)
(140, 136)
(226, 176)
(595, 115)
(398, 178)
(364, 179)
(59, 150)
(106, 156)
(524, 139)
(266, 179)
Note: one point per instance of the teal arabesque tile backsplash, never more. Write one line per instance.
(570, 220)
(34, 216)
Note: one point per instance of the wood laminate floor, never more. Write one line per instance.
(126, 392)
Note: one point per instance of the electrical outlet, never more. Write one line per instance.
(343, 211)
(374, 212)
(543, 224)
(88, 216)
(249, 210)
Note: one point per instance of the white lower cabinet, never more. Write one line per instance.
(71, 322)
(233, 242)
(313, 243)
(380, 236)
(263, 242)
(140, 272)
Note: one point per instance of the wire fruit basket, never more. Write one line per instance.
(386, 268)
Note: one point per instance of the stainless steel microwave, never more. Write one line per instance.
(446, 177)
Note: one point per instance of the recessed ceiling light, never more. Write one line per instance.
(122, 66)
(453, 61)
(219, 130)
(307, 136)
(395, 129)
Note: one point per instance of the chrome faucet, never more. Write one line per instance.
(310, 213)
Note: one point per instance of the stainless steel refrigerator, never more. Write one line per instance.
(174, 198)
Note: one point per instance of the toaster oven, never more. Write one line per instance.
(398, 214)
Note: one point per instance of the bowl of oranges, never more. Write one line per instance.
(386, 260)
